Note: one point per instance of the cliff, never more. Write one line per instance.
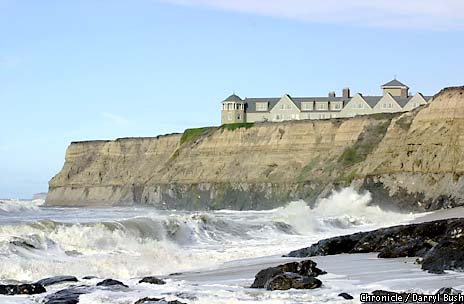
(411, 160)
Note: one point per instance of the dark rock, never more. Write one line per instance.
(185, 295)
(57, 279)
(411, 248)
(111, 282)
(22, 289)
(89, 277)
(439, 243)
(289, 280)
(156, 301)
(303, 268)
(346, 296)
(152, 280)
(449, 291)
(447, 255)
(67, 296)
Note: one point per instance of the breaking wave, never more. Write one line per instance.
(157, 243)
(11, 206)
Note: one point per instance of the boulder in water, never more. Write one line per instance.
(57, 279)
(289, 280)
(22, 289)
(156, 301)
(67, 296)
(295, 274)
(111, 282)
(346, 296)
(152, 280)
(448, 291)
(447, 255)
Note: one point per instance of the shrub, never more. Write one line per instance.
(350, 156)
(191, 134)
(239, 125)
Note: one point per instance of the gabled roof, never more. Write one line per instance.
(251, 103)
(234, 98)
(402, 101)
(372, 100)
(394, 84)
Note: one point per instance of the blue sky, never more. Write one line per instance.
(102, 69)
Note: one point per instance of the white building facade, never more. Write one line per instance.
(395, 98)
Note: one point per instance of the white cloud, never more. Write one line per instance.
(116, 119)
(435, 14)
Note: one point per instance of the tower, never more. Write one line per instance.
(396, 88)
(233, 110)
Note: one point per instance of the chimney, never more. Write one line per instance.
(346, 93)
(332, 94)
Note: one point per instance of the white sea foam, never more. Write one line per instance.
(125, 243)
(344, 209)
(11, 206)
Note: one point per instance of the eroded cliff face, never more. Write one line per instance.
(412, 160)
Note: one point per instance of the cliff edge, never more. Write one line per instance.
(411, 161)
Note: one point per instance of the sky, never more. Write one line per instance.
(104, 69)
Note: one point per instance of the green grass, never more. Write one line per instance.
(350, 177)
(191, 134)
(235, 126)
(365, 144)
(350, 156)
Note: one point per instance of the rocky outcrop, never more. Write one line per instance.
(156, 300)
(22, 289)
(56, 280)
(152, 280)
(439, 243)
(297, 275)
(411, 161)
(111, 282)
(67, 296)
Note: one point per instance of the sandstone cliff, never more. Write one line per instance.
(413, 161)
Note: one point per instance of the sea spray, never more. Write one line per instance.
(129, 242)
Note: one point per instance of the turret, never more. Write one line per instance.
(233, 110)
(396, 88)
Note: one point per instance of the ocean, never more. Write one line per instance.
(204, 256)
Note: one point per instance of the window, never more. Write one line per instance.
(307, 106)
(337, 106)
(384, 105)
(277, 117)
(390, 105)
(229, 116)
(288, 107)
(282, 106)
(238, 116)
(361, 106)
(262, 106)
(321, 106)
